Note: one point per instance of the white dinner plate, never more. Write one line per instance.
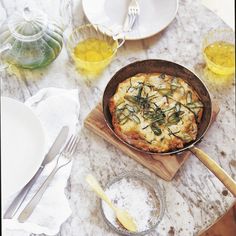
(22, 145)
(155, 15)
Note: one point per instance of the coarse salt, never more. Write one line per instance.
(138, 198)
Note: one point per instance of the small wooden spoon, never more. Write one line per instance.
(123, 216)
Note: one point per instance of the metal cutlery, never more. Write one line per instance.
(133, 13)
(52, 153)
(67, 153)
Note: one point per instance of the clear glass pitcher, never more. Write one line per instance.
(28, 39)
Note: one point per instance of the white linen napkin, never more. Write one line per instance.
(55, 108)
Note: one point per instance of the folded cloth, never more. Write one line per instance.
(55, 108)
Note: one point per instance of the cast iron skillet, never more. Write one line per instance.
(174, 69)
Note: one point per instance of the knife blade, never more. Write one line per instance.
(51, 154)
(56, 146)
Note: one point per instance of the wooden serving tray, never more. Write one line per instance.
(164, 166)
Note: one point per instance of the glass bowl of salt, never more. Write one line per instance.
(140, 196)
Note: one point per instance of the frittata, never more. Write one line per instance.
(156, 112)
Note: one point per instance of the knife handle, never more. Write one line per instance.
(19, 199)
(29, 208)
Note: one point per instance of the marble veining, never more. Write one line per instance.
(195, 198)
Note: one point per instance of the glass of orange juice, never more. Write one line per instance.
(219, 51)
(92, 47)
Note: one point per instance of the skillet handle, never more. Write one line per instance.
(229, 183)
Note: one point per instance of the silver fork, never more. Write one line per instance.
(133, 13)
(67, 153)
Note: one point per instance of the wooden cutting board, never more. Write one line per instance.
(164, 166)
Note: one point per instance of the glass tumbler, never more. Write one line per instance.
(219, 51)
(90, 59)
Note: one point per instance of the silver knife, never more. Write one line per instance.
(52, 153)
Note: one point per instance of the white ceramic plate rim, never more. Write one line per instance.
(38, 157)
(140, 37)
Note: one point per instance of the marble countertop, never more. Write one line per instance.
(195, 198)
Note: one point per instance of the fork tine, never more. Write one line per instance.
(67, 144)
(133, 12)
(72, 144)
(129, 24)
(133, 20)
(75, 146)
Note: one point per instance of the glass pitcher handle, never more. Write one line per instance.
(5, 47)
(120, 37)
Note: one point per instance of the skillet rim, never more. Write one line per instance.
(176, 151)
